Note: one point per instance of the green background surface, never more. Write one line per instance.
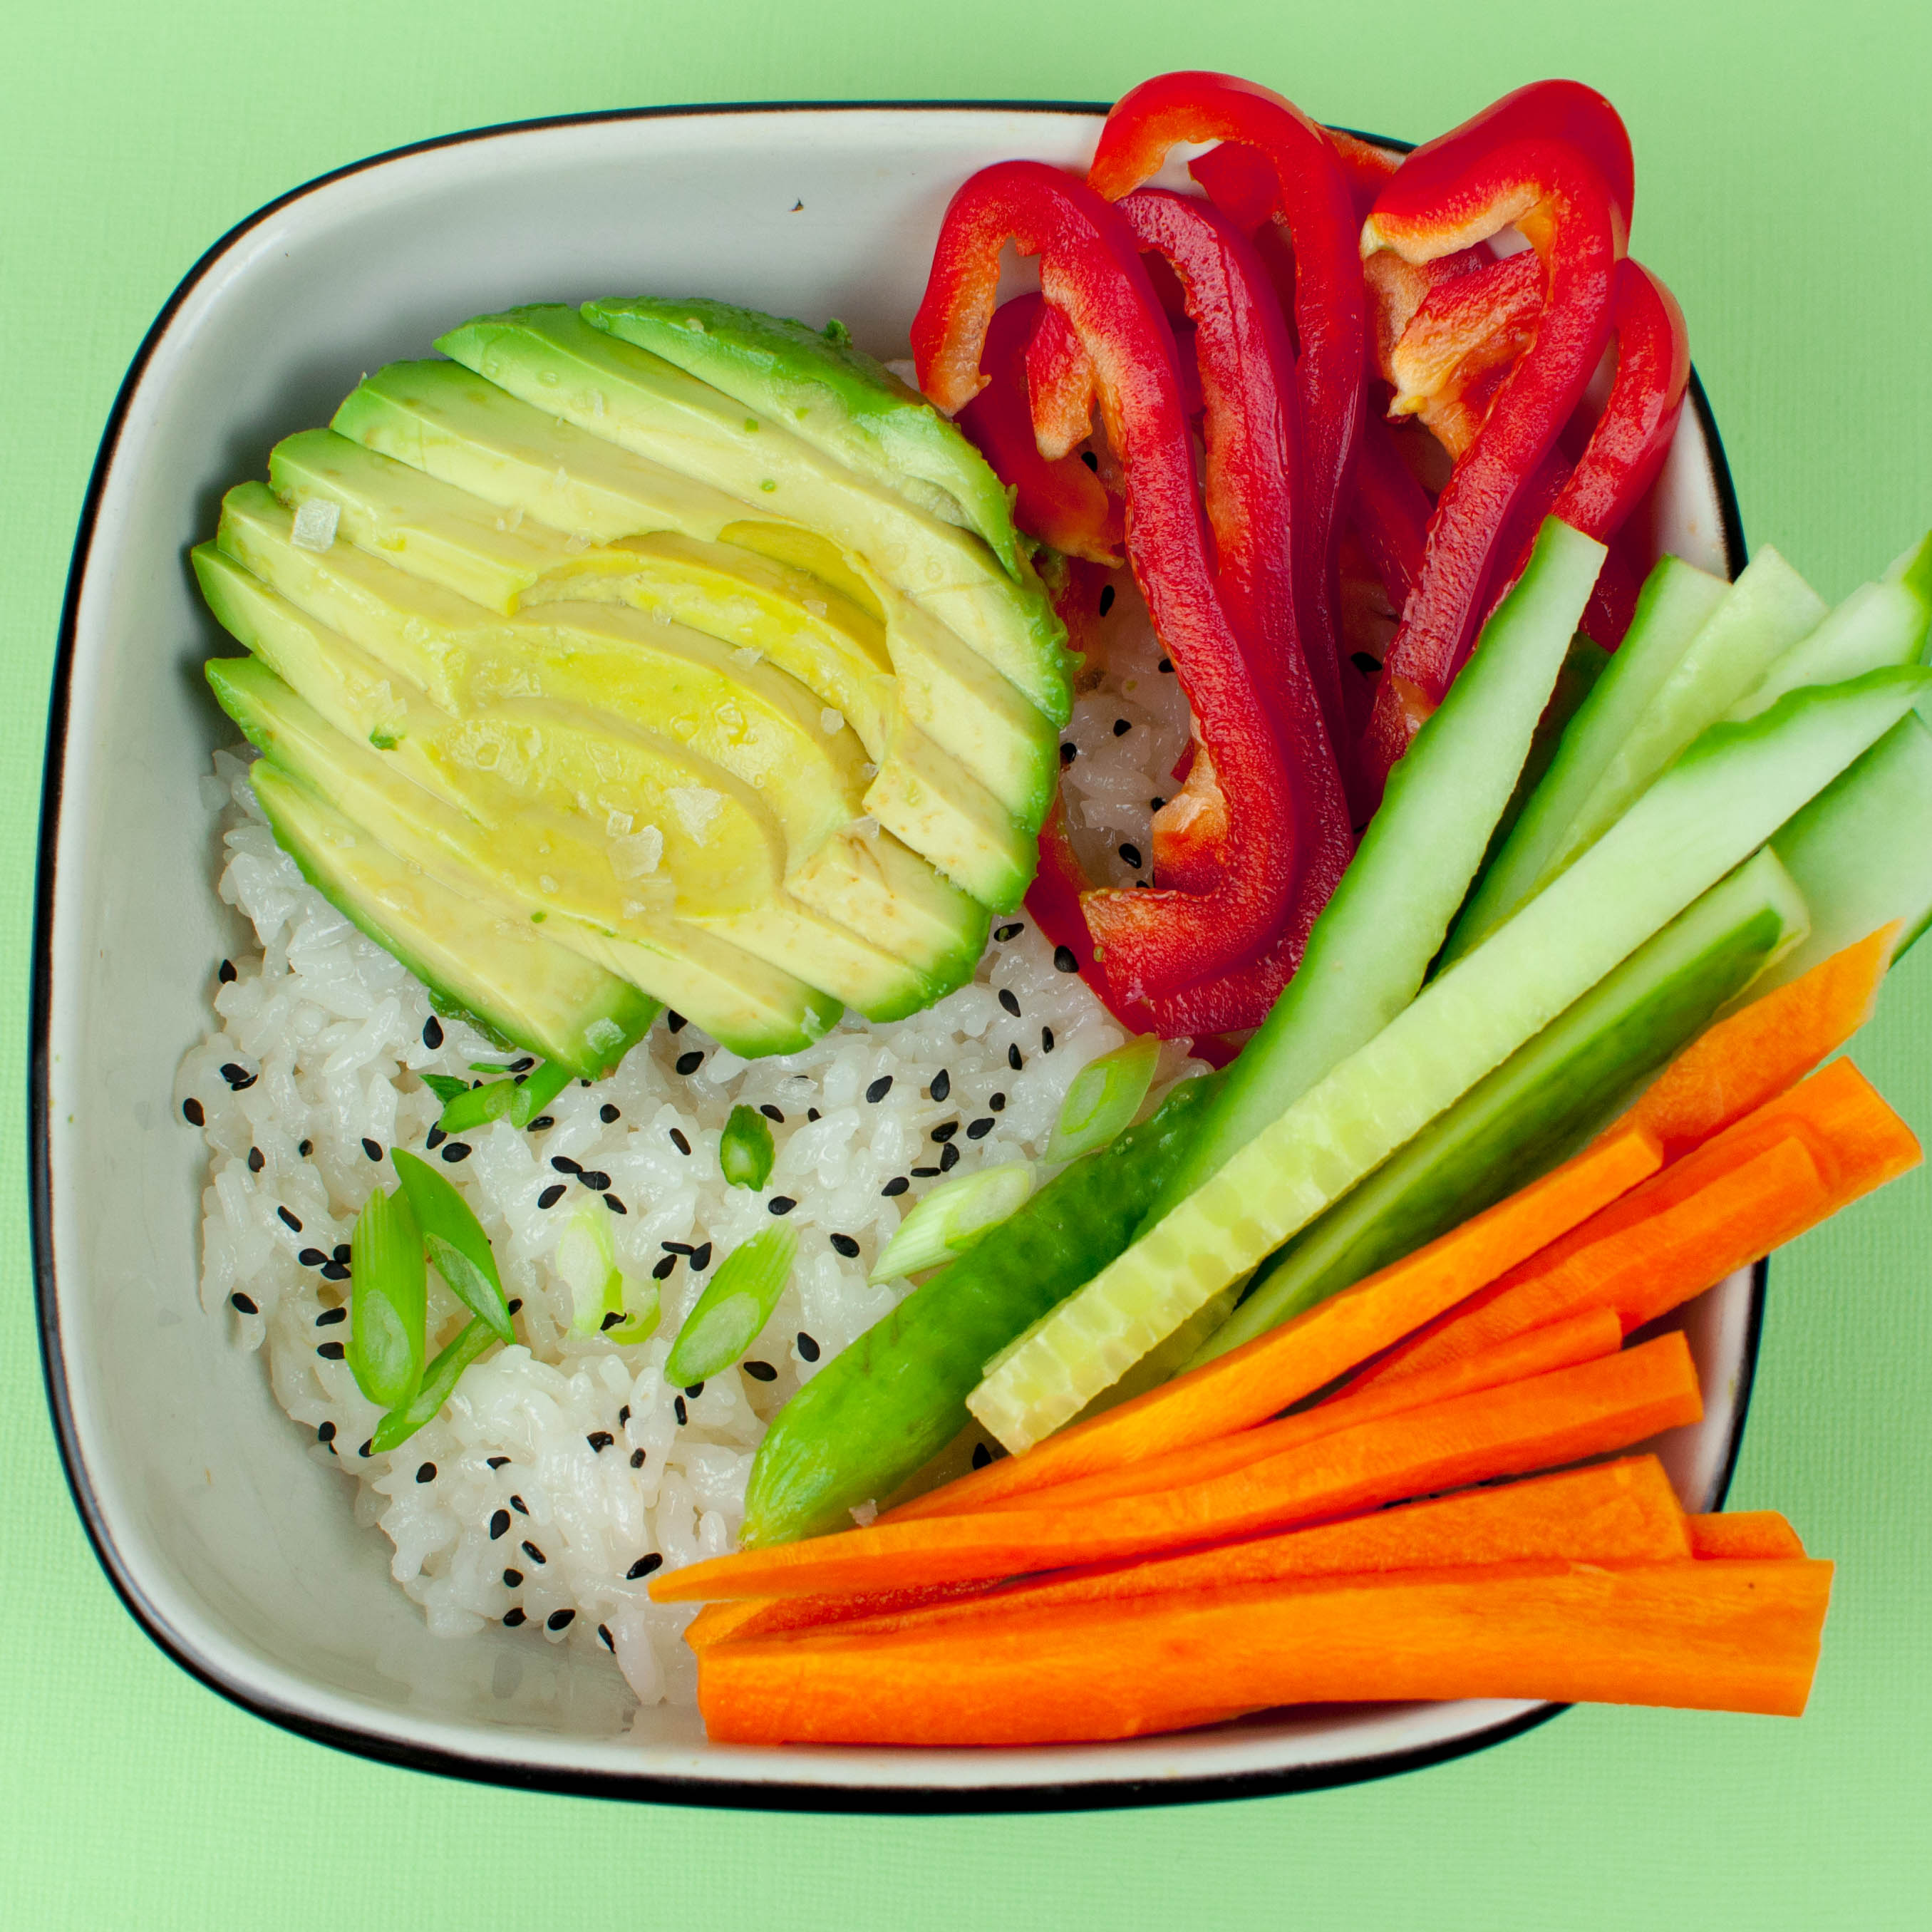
(1784, 157)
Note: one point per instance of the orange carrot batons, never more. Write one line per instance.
(1759, 1535)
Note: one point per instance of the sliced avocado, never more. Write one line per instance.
(832, 396)
(479, 960)
(937, 807)
(750, 1006)
(553, 359)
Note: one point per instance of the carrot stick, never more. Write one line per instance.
(1538, 1424)
(1623, 1512)
(1719, 1207)
(1263, 1377)
(1761, 1535)
(1738, 1636)
(1736, 1066)
(1589, 1334)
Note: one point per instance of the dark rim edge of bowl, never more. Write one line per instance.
(647, 1787)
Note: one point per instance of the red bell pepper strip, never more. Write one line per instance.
(1156, 940)
(1459, 346)
(1391, 512)
(1311, 201)
(1057, 498)
(1446, 196)
(1059, 381)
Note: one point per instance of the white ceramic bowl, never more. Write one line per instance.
(228, 1541)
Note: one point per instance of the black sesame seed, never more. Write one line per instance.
(644, 1566)
(518, 1504)
(689, 1063)
(949, 1157)
(942, 1085)
(1156, 804)
(541, 1121)
(425, 1472)
(678, 1141)
(781, 1203)
(675, 1022)
(225, 972)
(600, 1440)
(498, 1461)
(1130, 855)
(678, 1409)
(1121, 727)
(1069, 751)
(289, 1221)
(1013, 1059)
(623, 1415)
(1010, 1000)
(514, 1616)
(701, 1259)
(326, 1433)
(238, 1078)
(551, 1195)
(1106, 590)
(637, 1458)
(256, 1162)
(193, 1113)
(434, 1139)
(771, 1113)
(500, 1521)
(946, 1130)
(982, 1455)
(516, 1302)
(243, 1304)
(604, 1631)
(333, 1270)
(594, 1178)
(879, 1089)
(1003, 933)
(456, 1150)
(564, 1164)
(312, 1257)
(342, 1251)
(1063, 959)
(978, 1130)
(925, 1173)
(807, 1347)
(677, 1247)
(761, 1371)
(612, 1317)
(372, 1148)
(536, 1555)
(662, 1272)
(1367, 665)
(432, 1033)
(696, 1390)
(368, 1448)
(331, 1351)
(329, 1317)
(307, 1148)
(616, 1206)
(897, 1185)
(1166, 664)
(844, 1244)
(1046, 1039)
(512, 1579)
(997, 1103)
(522, 1066)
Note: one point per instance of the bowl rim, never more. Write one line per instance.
(896, 1798)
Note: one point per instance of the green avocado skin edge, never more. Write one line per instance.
(894, 1398)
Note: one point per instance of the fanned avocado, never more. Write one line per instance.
(479, 963)
(832, 394)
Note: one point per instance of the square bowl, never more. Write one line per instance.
(227, 1540)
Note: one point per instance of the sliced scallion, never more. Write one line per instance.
(445, 1087)
(544, 1084)
(586, 1259)
(477, 1106)
(953, 1217)
(1105, 1095)
(737, 1304)
(744, 1151)
(457, 1243)
(439, 1385)
(387, 1300)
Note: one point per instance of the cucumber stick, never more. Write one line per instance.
(1676, 602)
(1543, 1102)
(1861, 851)
(1720, 801)
(1371, 947)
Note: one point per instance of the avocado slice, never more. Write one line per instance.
(479, 962)
(751, 1007)
(830, 394)
(549, 355)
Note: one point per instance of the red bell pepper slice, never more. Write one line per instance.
(1156, 940)
(1391, 512)
(1446, 196)
(1459, 346)
(1058, 499)
(1311, 199)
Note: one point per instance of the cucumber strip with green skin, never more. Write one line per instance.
(886, 1405)
(1543, 1103)
(1676, 603)
(1583, 666)
(1721, 800)
(1861, 851)
(1369, 949)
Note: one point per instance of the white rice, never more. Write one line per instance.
(594, 1473)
